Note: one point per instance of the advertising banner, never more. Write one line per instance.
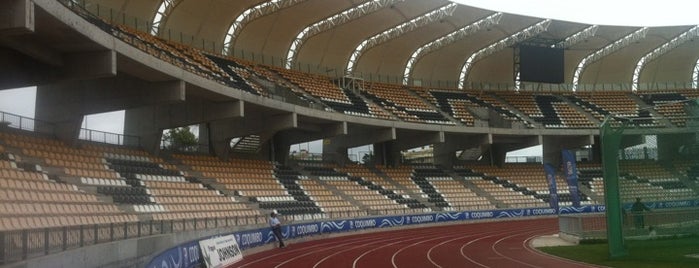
(551, 180)
(182, 256)
(571, 173)
(220, 251)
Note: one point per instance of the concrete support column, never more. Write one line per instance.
(148, 122)
(385, 154)
(142, 122)
(444, 153)
(498, 152)
(18, 17)
(220, 135)
(552, 146)
(335, 152)
(335, 148)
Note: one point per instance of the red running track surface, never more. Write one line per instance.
(485, 244)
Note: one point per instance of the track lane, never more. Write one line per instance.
(482, 244)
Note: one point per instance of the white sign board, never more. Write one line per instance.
(220, 251)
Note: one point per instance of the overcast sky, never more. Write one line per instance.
(601, 12)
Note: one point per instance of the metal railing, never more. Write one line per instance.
(664, 222)
(109, 137)
(19, 245)
(23, 122)
(33, 125)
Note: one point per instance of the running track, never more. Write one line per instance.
(484, 244)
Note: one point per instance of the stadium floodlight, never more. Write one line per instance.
(664, 48)
(161, 14)
(450, 38)
(609, 49)
(332, 22)
(525, 34)
(397, 31)
(251, 14)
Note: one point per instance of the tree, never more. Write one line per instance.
(181, 139)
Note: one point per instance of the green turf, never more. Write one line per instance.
(668, 252)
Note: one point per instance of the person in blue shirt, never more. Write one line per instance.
(276, 228)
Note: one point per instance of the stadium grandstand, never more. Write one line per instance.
(440, 92)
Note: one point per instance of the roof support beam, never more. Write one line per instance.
(525, 34)
(397, 31)
(332, 22)
(609, 49)
(578, 37)
(251, 14)
(664, 48)
(448, 39)
(160, 16)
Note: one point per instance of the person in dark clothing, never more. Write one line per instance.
(276, 228)
(637, 210)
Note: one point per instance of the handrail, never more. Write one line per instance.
(39, 126)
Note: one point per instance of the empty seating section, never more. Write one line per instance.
(520, 185)
(30, 199)
(298, 203)
(240, 76)
(671, 104)
(590, 176)
(318, 86)
(402, 103)
(334, 97)
(498, 106)
(402, 176)
(190, 59)
(619, 104)
(421, 176)
(458, 195)
(547, 109)
(652, 182)
(245, 178)
(646, 179)
(572, 118)
(388, 200)
(454, 103)
(91, 184)
(334, 183)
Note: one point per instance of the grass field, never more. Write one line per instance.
(666, 252)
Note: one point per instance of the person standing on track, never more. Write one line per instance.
(637, 210)
(276, 228)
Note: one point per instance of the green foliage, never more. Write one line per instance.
(180, 138)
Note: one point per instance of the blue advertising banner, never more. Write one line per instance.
(299, 230)
(185, 255)
(553, 190)
(258, 237)
(571, 173)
